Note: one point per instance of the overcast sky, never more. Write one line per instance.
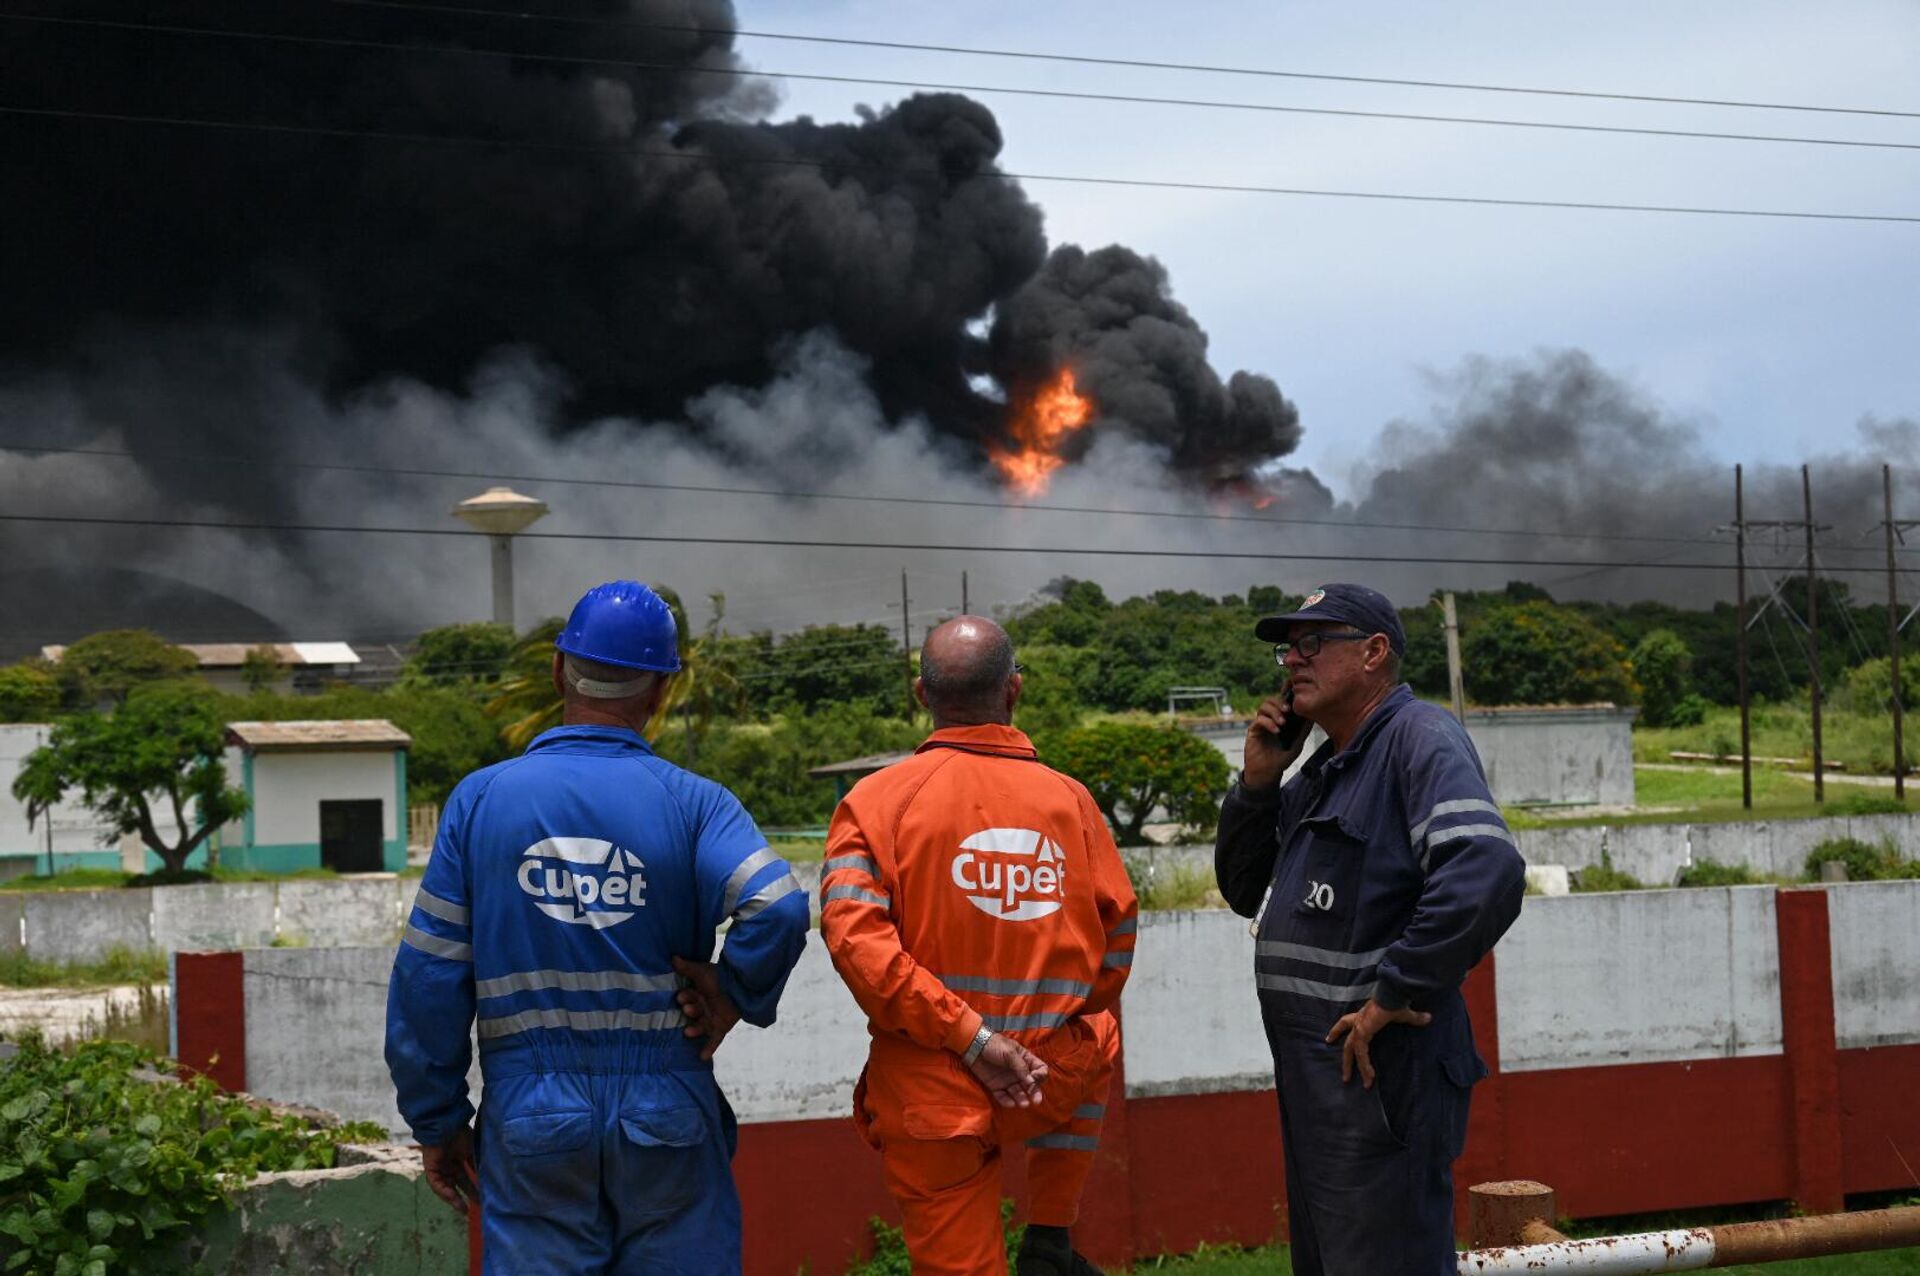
(1775, 336)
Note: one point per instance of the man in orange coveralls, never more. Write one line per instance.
(975, 904)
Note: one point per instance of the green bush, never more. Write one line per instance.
(103, 1172)
(1605, 877)
(1858, 803)
(1691, 711)
(1713, 873)
(1663, 666)
(890, 1247)
(1865, 861)
(1131, 770)
(1542, 653)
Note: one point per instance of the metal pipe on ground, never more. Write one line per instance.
(1512, 1222)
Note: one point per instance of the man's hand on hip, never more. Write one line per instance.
(710, 1012)
(449, 1170)
(1011, 1073)
(1360, 1028)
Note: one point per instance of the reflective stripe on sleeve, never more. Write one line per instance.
(1126, 927)
(1090, 1112)
(1453, 806)
(1023, 1023)
(1117, 961)
(1318, 956)
(1016, 987)
(834, 894)
(1070, 1142)
(742, 873)
(771, 893)
(574, 981)
(581, 1021)
(1439, 837)
(445, 909)
(451, 949)
(1316, 988)
(862, 862)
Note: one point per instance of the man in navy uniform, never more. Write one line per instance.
(570, 908)
(1377, 876)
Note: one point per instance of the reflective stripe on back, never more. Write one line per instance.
(580, 1021)
(574, 981)
(1017, 987)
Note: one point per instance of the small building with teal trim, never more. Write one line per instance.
(328, 794)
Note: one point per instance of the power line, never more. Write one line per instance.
(1136, 63)
(258, 462)
(1136, 183)
(775, 542)
(681, 68)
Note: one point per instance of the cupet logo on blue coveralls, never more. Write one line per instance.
(595, 884)
(1015, 875)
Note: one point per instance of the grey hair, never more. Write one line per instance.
(970, 690)
(595, 680)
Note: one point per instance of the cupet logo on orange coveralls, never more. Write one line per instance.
(1014, 875)
(604, 896)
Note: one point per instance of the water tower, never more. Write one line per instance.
(501, 513)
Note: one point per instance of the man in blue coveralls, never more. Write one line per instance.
(570, 906)
(1377, 877)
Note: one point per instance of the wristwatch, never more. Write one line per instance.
(980, 1040)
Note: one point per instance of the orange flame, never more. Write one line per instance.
(1039, 428)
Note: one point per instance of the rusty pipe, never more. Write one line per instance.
(1815, 1235)
(1704, 1247)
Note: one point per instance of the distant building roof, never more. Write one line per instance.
(338, 735)
(232, 655)
(859, 766)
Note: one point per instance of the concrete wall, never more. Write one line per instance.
(1556, 756)
(1585, 980)
(373, 1217)
(1655, 853)
(82, 926)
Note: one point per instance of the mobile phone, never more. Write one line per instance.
(1295, 729)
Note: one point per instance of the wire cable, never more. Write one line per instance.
(1136, 183)
(1133, 63)
(936, 86)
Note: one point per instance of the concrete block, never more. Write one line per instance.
(351, 913)
(213, 915)
(1639, 977)
(82, 926)
(13, 911)
(378, 1218)
(1192, 1017)
(1876, 968)
(805, 1068)
(1747, 843)
(1572, 847)
(1794, 840)
(1549, 879)
(1654, 853)
(315, 1021)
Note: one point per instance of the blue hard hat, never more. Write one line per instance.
(623, 623)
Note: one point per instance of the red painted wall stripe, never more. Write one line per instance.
(1813, 1066)
(210, 1016)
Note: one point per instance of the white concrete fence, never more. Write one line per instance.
(79, 926)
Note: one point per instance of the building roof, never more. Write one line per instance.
(859, 766)
(336, 735)
(232, 655)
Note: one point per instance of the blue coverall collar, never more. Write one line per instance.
(559, 737)
(1397, 699)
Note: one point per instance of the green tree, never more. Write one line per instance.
(28, 693)
(1663, 667)
(524, 702)
(1132, 770)
(1050, 701)
(261, 668)
(105, 667)
(463, 654)
(766, 765)
(164, 742)
(1869, 685)
(825, 665)
(1542, 653)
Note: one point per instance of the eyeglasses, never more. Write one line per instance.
(1309, 644)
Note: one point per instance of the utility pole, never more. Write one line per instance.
(1740, 639)
(1456, 683)
(966, 610)
(906, 642)
(1813, 639)
(1896, 529)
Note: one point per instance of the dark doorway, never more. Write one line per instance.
(350, 836)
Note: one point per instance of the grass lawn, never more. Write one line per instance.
(1711, 795)
(17, 970)
(1864, 742)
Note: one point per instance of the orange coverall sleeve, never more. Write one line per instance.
(856, 920)
(1119, 909)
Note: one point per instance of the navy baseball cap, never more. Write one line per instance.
(1365, 609)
